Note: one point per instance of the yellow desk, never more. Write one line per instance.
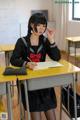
(50, 77)
(7, 80)
(7, 48)
(73, 42)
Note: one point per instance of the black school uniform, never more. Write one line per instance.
(44, 99)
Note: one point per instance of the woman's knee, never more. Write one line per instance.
(36, 115)
(50, 114)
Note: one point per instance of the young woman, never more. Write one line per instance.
(36, 48)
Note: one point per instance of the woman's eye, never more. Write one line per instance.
(44, 25)
(38, 25)
(41, 25)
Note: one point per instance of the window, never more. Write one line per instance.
(76, 10)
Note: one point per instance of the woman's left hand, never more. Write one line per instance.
(50, 35)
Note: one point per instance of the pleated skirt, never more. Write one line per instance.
(40, 100)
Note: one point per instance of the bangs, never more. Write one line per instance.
(40, 20)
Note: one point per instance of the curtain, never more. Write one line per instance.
(61, 17)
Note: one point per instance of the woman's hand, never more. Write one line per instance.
(31, 65)
(50, 35)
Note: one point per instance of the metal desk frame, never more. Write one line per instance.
(51, 80)
(73, 42)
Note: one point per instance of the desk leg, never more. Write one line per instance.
(74, 87)
(75, 53)
(7, 58)
(9, 102)
(26, 97)
(20, 101)
(7, 61)
(68, 50)
(61, 103)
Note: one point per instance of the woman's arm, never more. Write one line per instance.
(16, 58)
(52, 49)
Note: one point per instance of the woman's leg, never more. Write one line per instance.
(50, 114)
(36, 115)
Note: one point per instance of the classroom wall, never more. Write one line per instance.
(73, 28)
(14, 13)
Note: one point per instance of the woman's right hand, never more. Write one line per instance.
(31, 65)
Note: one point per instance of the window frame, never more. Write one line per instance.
(73, 9)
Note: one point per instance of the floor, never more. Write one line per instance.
(16, 112)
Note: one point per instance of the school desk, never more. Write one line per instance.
(7, 48)
(75, 43)
(51, 77)
(7, 80)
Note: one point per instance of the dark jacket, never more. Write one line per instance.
(21, 52)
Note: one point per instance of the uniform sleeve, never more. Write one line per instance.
(53, 51)
(16, 58)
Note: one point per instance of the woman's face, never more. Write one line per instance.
(39, 29)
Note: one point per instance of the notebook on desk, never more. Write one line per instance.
(47, 64)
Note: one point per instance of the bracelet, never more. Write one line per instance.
(52, 45)
(52, 41)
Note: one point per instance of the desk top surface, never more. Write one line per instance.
(73, 39)
(67, 68)
(6, 78)
(7, 47)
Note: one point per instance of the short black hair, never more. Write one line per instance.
(36, 18)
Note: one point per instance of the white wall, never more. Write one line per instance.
(8, 24)
(16, 12)
(73, 28)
